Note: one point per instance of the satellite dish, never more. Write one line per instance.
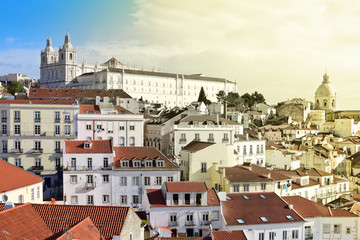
(4, 198)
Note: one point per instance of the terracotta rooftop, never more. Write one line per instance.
(195, 146)
(12, 177)
(179, 238)
(85, 229)
(229, 235)
(307, 208)
(311, 183)
(94, 109)
(185, 186)
(253, 208)
(96, 146)
(22, 222)
(313, 172)
(61, 93)
(45, 102)
(140, 153)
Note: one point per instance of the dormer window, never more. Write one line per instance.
(160, 163)
(87, 145)
(124, 163)
(136, 163)
(148, 163)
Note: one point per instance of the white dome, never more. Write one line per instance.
(326, 89)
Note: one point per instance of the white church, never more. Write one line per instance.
(60, 69)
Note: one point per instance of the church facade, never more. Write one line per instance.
(61, 70)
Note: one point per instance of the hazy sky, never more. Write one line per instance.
(280, 48)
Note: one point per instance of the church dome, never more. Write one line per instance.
(326, 89)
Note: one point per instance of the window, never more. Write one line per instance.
(337, 228)
(135, 199)
(291, 218)
(88, 125)
(122, 142)
(123, 199)
(136, 163)
(187, 198)
(264, 219)
(326, 228)
(148, 163)
(90, 200)
(244, 150)
(121, 126)
(132, 141)
(240, 221)
(348, 230)
(170, 179)
(132, 126)
(37, 116)
(124, 163)
(37, 129)
(18, 162)
(57, 162)
(183, 137)
(106, 162)
(135, 181)
(251, 149)
(158, 180)
(57, 129)
(173, 219)
(189, 219)
(89, 163)
(110, 127)
(37, 162)
(205, 217)
(123, 181)
(263, 186)
(17, 129)
(236, 188)
(159, 163)
(106, 199)
(38, 192)
(3, 116)
(203, 167)
(285, 235)
(147, 181)
(4, 146)
(271, 235)
(295, 234)
(4, 129)
(67, 117)
(197, 136)
(32, 194)
(261, 236)
(67, 130)
(17, 146)
(57, 117)
(16, 116)
(211, 137)
(74, 199)
(246, 187)
(105, 178)
(73, 178)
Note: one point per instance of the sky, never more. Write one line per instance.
(280, 48)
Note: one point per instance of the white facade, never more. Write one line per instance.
(250, 150)
(283, 159)
(31, 193)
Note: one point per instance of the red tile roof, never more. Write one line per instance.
(250, 210)
(47, 102)
(22, 223)
(179, 238)
(185, 186)
(12, 177)
(213, 199)
(195, 146)
(140, 153)
(97, 146)
(94, 109)
(229, 235)
(307, 208)
(58, 93)
(85, 229)
(110, 220)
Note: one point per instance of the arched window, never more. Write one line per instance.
(333, 103)
(317, 102)
(62, 56)
(52, 59)
(325, 103)
(70, 56)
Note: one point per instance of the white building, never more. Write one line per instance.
(206, 128)
(98, 174)
(61, 69)
(186, 208)
(19, 186)
(106, 121)
(281, 158)
(261, 216)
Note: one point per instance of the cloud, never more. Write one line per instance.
(25, 61)
(9, 40)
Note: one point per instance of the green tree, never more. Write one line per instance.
(221, 96)
(233, 99)
(254, 98)
(15, 87)
(202, 97)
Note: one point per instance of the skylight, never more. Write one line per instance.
(239, 220)
(290, 217)
(246, 197)
(264, 219)
(228, 198)
(262, 196)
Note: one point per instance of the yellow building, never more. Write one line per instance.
(32, 136)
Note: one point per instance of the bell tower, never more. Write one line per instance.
(68, 60)
(48, 61)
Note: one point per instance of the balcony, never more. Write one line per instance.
(57, 120)
(3, 119)
(37, 120)
(37, 151)
(189, 223)
(225, 140)
(90, 185)
(5, 133)
(37, 168)
(67, 120)
(175, 202)
(182, 140)
(211, 140)
(173, 224)
(17, 150)
(205, 222)
(16, 119)
(308, 236)
(58, 151)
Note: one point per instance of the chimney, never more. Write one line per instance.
(259, 135)
(291, 206)
(97, 100)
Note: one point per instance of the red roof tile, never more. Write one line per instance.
(250, 210)
(85, 229)
(94, 109)
(229, 235)
(97, 146)
(185, 186)
(22, 223)
(47, 102)
(12, 177)
(213, 199)
(195, 146)
(75, 93)
(140, 153)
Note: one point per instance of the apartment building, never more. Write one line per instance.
(32, 135)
